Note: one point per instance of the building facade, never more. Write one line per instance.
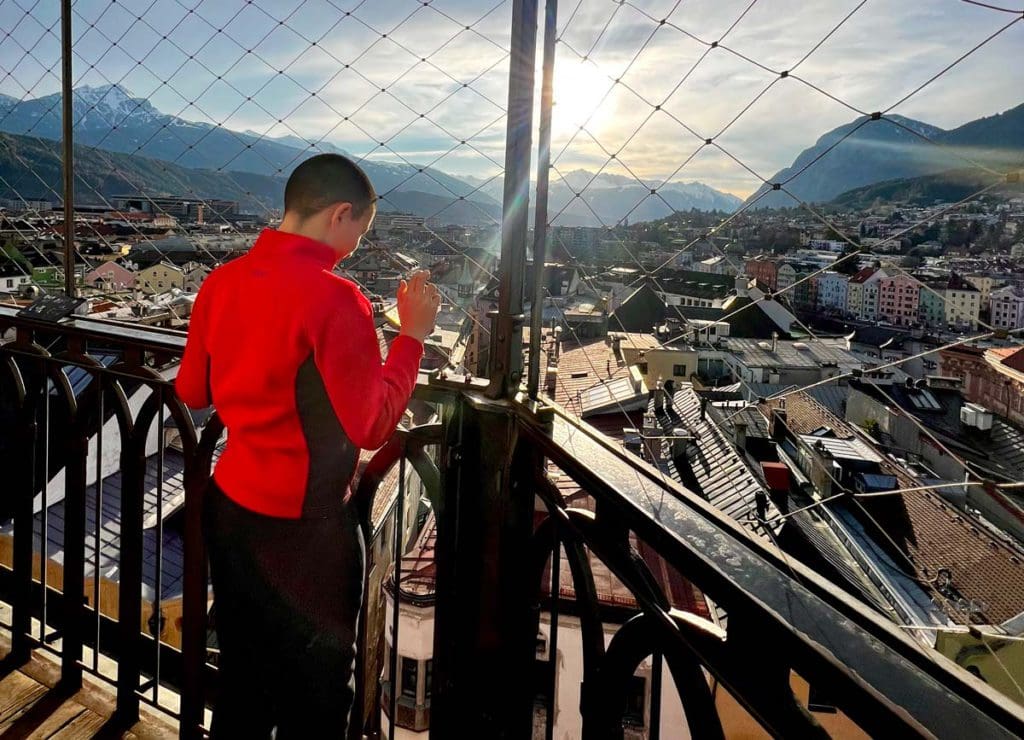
(765, 271)
(159, 278)
(785, 277)
(1006, 308)
(963, 303)
(832, 292)
(899, 300)
(855, 291)
(932, 306)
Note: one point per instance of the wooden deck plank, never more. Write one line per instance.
(43, 727)
(30, 705)
(18, 693)
(85, 725)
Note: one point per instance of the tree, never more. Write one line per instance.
(848, 266)
(9, 252)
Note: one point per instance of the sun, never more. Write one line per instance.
(578, 91)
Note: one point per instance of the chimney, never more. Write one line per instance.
(551, 380)
(778, 424)
(659, 397)
(740, 434)
(775, 342)
(703, 408)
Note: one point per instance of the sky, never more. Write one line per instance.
(279, 68)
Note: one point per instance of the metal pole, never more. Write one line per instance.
(506, 334)
(67, 111)
(540, 222)
(393, 666)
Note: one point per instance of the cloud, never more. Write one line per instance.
(257, 66)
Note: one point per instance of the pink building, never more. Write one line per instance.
(899, 298)
(111, 276)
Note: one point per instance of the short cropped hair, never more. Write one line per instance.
(325, 180)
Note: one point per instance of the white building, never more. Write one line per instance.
(832, 290)
(785, 277)
(1006, 307)
(12, 283)
(866, 300)
(963, 305)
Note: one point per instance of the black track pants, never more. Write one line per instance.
(287, 594)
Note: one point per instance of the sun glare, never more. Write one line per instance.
(578, 93)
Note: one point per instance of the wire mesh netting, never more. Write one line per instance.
(653, 101)
(733, 187)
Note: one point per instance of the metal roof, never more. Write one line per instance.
(617, 394)
(850, 448)
(720, 472)
(811, 353)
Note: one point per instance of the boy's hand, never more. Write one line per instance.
(418, 304)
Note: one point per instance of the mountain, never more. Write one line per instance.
(879, 151)
(110, 118)
(946, 187)
(606, 205)
(608, 198)
(30, 168)
(311, 146)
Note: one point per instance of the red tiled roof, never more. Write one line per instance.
(861, 275)
(1015, 360)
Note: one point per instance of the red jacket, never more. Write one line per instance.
(287, 353)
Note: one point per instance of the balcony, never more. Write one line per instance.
(79, 393)
(525, 573)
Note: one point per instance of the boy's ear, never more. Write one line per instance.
(340, 212)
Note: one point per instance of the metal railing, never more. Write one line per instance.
(485, 465)
(782, 616)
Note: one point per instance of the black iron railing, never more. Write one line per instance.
(493, 455)
(95, 401)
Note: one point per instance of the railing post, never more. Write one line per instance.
(195, 589)
(75, 475)
(31, 377)
(484, 635)
(67, 142)
(506, 354)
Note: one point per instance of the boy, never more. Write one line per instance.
(287, 353)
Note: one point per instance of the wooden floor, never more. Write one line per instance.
(33, 706)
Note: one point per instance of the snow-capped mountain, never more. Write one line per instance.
(111, 118)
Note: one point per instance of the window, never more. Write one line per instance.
(636, 695)
(428, 678)
(10, 283)
(410, 677)
(679, 371)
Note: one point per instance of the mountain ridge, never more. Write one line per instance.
(867, 151)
